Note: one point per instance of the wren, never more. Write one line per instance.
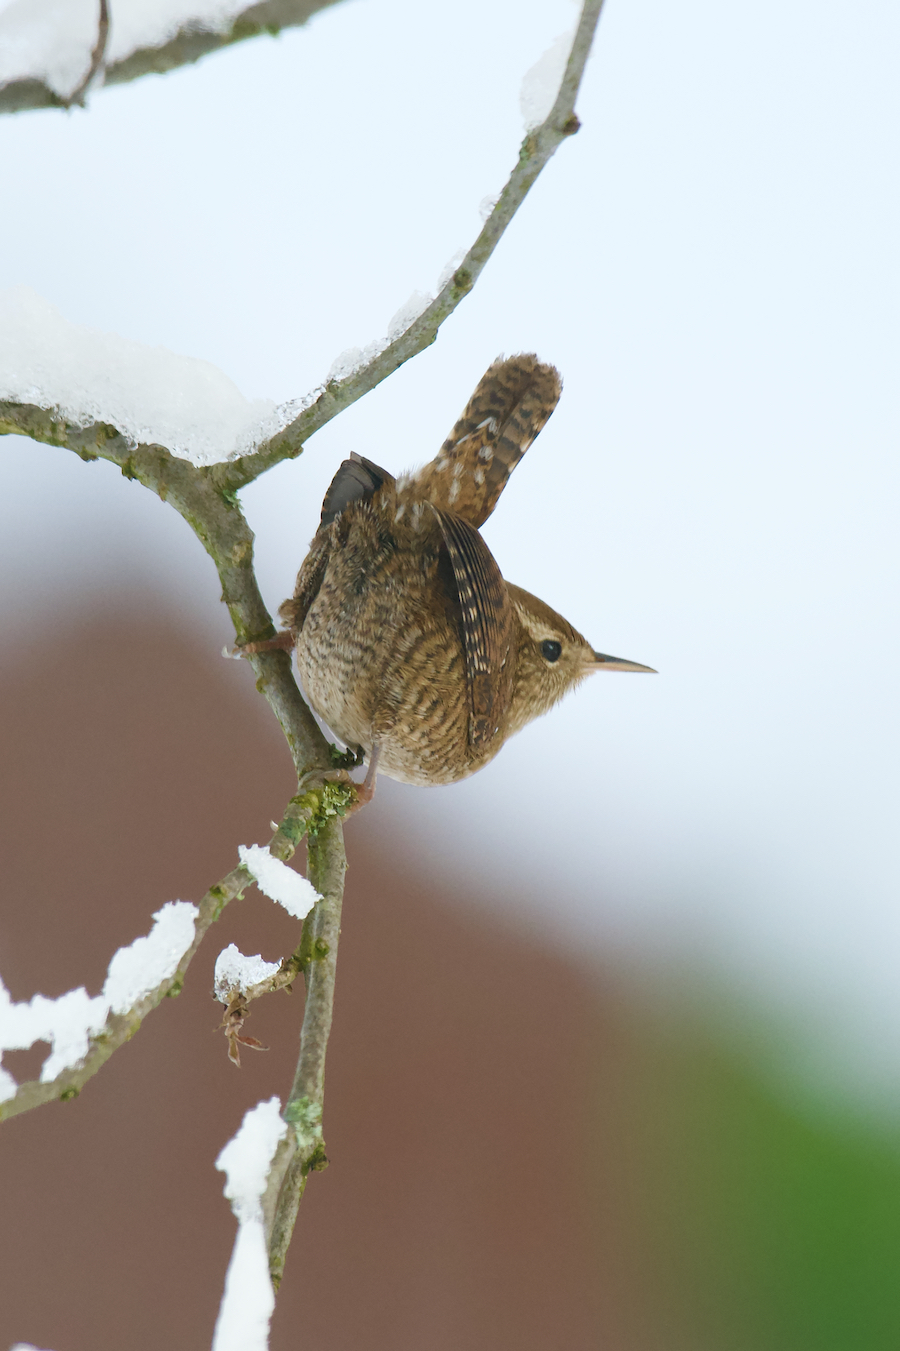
(410, 644)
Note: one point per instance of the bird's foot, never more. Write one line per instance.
(364, 792)
(282, 642)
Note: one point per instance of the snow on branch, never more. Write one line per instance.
(46, 48)
(71, 1021)
(540, 85)
(151, 395)
(277, 881)
(249, 1299)
(238, 981)
(236, 974)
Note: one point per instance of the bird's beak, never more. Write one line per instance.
(602, 662)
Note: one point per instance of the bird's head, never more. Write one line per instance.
(552, 659)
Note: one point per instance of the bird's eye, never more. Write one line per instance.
(551, 650)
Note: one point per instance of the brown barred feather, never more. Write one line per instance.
(510, 406)
(487, 620)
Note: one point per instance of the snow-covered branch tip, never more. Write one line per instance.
(277, 881)
(83, 1031)
(74, 1021)
(249, 1298)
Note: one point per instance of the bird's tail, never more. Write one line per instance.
(511, 404)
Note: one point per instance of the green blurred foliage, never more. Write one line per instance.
(753, 1224)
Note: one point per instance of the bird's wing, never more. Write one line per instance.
(513, 401)
(357, 480)
(487, 620)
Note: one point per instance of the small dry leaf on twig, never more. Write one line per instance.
(232, 1023)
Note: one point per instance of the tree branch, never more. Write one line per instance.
(214, 515)
(206, 498)
(303, 1149)
(189, 44)
(300, 815)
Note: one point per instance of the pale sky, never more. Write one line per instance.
(712, 264)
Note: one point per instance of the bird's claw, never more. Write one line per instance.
(282, 642)
(365, 791)
(349, 759)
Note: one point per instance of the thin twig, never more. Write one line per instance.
(120, 1028)
(77, 95)
(537, 148)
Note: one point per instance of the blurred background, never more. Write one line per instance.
(617, 1047)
